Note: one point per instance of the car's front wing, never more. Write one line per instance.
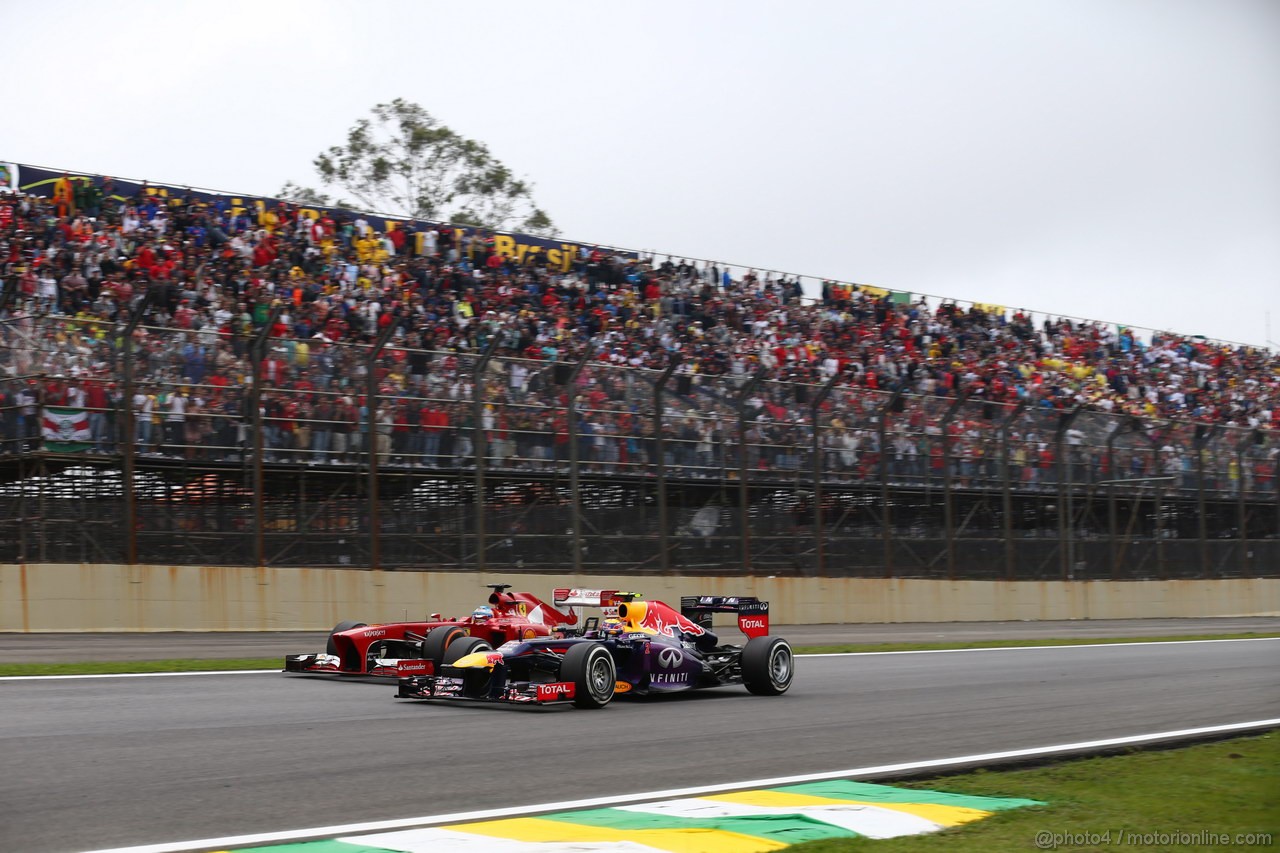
(324, 664)
(442, 687)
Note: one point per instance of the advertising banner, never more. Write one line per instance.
(75, 189)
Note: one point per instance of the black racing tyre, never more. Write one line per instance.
(462, 647)
(591, 669)
(438, 640)
(768, 666)
(331, 647)
(476, 680)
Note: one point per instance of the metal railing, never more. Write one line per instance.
(297, 452)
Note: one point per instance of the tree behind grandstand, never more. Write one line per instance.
(404, 161)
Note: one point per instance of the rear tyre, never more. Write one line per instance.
(332, 647)
(438, 641)
(591, 669)
(767, 666)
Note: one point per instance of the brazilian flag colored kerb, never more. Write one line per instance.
(739, 822)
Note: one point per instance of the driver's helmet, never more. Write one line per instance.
(612, 627)
(482, 612)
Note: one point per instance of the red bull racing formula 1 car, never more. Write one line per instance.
(640, 648)
(357, 648)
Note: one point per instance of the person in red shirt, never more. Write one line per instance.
(440, 424)
(145, 257)
(396, 236)
(95, 400)
(265, 252)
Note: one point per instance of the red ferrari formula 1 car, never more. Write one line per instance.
(357, 648)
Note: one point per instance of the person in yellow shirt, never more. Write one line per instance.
(366, 246)
(269, 220)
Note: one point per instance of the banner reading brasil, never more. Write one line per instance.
(34, 180)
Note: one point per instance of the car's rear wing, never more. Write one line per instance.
(590, 597)
(753, 614)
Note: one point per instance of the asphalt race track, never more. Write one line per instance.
(115, 761)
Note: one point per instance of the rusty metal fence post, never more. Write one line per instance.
(372, 440)
(571, 412)
(1242, 508)
(819, 534)
(129, 433)
(480, 446)
(744, 494)
(1204, 436)
(660, 453)
(1006, 489)
(886, 511)
(257, 353)
(1066, 521)
(1128, 424)
(948, 511)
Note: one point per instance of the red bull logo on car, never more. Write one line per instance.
(657, 618)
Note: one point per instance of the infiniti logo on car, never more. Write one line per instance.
(670, 658)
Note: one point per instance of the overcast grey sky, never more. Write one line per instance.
(1109, 159)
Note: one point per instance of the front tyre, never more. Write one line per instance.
(476, 680)
(591, 669)
(332, 646)
(768, 666)
(462, 647)
(439, 640)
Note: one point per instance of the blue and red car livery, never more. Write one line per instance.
(639, 648)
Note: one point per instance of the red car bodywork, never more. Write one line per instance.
(377, 649)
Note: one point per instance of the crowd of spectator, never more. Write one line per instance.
(206, 277)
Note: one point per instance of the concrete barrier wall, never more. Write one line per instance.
(215, 598)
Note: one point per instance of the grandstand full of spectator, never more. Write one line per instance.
(75, 267)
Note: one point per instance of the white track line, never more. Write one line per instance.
(811, 655)
(139, 674)
(1036, 648)
(597, 802)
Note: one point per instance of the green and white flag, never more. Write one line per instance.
(66, 430)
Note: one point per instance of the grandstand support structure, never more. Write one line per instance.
(65, 509)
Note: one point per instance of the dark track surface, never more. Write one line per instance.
(53, 648)
(114, 761)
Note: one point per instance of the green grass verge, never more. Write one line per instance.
(220, 665)
(131, 666)
(1226, 788)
